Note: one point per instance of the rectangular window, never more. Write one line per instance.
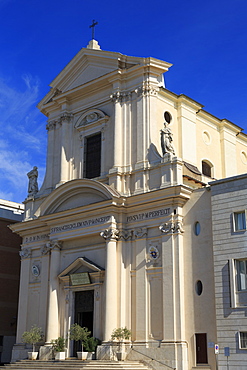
(92, 156)
(238, 282)
(243, 339)
(241, 266)
(239, 220)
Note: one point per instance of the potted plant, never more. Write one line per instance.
(77, 333)
(89, 345)
(33, 336)
(121, 334)
(58, 346)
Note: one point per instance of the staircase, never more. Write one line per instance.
(76, 365)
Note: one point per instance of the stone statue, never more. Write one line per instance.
(33, 183)
(166, 140)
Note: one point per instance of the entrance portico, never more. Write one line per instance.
(82, 293)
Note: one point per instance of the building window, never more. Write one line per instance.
(243, 339)
(239, 219)
(206, 169)
(238, 282)
(92, 156)
(241, 266)
(167, 117)
(199, 287)
(197, 228)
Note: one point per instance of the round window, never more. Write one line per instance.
(197, 228)
(167, 117)
(199, 287)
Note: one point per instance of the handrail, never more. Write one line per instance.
(153, 359)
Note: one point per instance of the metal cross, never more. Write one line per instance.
(92, 26)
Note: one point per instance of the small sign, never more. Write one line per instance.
(227, 351)
(216, 349)
(81, 278)
(210, 344)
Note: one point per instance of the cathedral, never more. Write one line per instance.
(120, 233)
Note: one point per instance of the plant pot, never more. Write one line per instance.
(90, 355)
(60, 356)
(121, 356)
(32, 355)
(82, 355)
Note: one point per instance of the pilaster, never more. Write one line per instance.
(52, 331)
(141, 304)
(118, 129)
(111, 237)
(65, 120)
(25, 255)
(173, 291)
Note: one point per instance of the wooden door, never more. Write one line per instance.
(201, 348)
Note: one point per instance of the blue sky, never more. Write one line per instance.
(205, 40)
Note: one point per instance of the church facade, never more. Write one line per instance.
(120, 233)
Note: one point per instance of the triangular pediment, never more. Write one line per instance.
(88, 65)
(80, 265)
(88, 73)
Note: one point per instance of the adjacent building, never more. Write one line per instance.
(229, 203)
(120, 233)
(10, 213)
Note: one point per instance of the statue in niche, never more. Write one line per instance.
(33, 183)
(166, 140)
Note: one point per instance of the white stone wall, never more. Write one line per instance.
(198, 265)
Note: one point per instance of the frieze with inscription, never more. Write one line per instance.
(35, 238)
(148, 215)
(80, 224)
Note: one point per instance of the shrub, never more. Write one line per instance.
(90, 344)
(78, 333)
(58, 344)
(121, 334)
(33, 336)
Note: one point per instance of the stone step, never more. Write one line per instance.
(76, 365)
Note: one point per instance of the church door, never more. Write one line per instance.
(84, 305)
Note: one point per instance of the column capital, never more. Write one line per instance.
(172, 227)
(25, 253)
(49, 246)
(56, 244)
(65, 117)
(120, 96)
(116, 97)
(146, 89)
(140, 232)
(51, 125)
(110, 234)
